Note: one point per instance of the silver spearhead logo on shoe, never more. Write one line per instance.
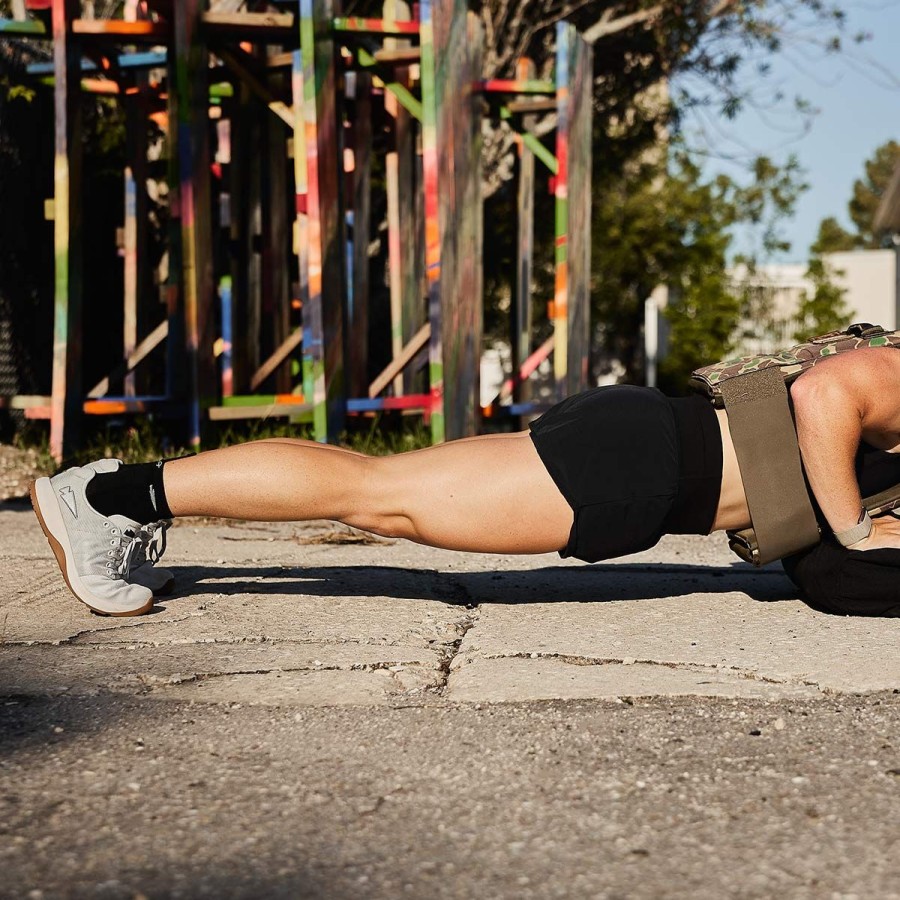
(68, 497)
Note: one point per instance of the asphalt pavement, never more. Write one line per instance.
(318, 713)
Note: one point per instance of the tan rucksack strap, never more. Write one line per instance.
(765, 442)
(883, 501)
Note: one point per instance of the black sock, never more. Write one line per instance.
(133, 491)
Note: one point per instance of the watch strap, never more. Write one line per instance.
(857, 533)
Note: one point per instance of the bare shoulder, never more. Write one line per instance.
(867, 381)
(872, 371)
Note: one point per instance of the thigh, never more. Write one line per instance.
(489, 494)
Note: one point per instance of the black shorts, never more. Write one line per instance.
(633, 465)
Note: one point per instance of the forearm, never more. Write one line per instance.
(835, 405)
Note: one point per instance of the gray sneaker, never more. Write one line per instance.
(151, 546)
(94, 551)
(144, 568)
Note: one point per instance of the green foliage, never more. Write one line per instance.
(824, 310)
(701, 327)
(145, 439)
(832, 238)
(33, 437)
(867, 194)
(660, 222)
(768, 200)
(381, 441)
(12, 91)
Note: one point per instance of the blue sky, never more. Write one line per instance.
(857, 97)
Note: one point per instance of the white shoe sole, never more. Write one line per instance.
(43, 499)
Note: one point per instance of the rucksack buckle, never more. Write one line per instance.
(865, 330)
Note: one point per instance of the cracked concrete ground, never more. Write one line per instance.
(350, 688)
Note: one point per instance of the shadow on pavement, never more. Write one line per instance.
(594, 584)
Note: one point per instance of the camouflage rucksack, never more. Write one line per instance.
(794, 362)
(753, 389)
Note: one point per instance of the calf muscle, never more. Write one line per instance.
(487, 494)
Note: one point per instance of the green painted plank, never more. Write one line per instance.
(25, 27)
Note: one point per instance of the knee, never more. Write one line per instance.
(380, 506)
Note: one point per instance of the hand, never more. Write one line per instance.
(885, 535)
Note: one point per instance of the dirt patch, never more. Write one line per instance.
(18, 468)
(340, 536)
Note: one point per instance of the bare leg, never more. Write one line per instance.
(489, 494)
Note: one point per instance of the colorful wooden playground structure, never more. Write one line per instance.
(268, 115)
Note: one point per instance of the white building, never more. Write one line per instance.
(870, 278)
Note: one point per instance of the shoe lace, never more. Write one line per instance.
(124, 546)
(154, 539)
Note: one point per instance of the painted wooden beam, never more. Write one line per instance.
(431, 90)
(150, 60)
(141, 351)
(276, 359)
(400, 361)
(528, 367)
(571, 302)
(24, 401)
(135, 32)
(250, 26)
(301, 217)
(277, 222)
(241, 64)
(66, 403)
(262, 399)
(401, 57)
(323, 313)
(526, 107)
(532, 142)
(418, 402)
(515, 86)
(130, 272)
(97, 86)
(399, 188)
(360, 195)
(275, 411)
(226, 318)
(191, 90)
(395, 272)
(242, 133)
(391, 83)
(516, 410)
(375, 26)
(115, 406)
(281, 60)
(452, 47)
(521, 319)
(25, 27)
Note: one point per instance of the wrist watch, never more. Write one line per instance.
(858, 532)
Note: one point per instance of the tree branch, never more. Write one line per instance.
(607, 26)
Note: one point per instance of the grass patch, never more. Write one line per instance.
(146, 440)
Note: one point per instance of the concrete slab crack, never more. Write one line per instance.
(575, 660)
(152, 680)
(76, 639)
(137, 644)
(450, 651)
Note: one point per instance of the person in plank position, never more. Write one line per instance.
(602, 474)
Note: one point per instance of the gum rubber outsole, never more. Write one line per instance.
(60, 555)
